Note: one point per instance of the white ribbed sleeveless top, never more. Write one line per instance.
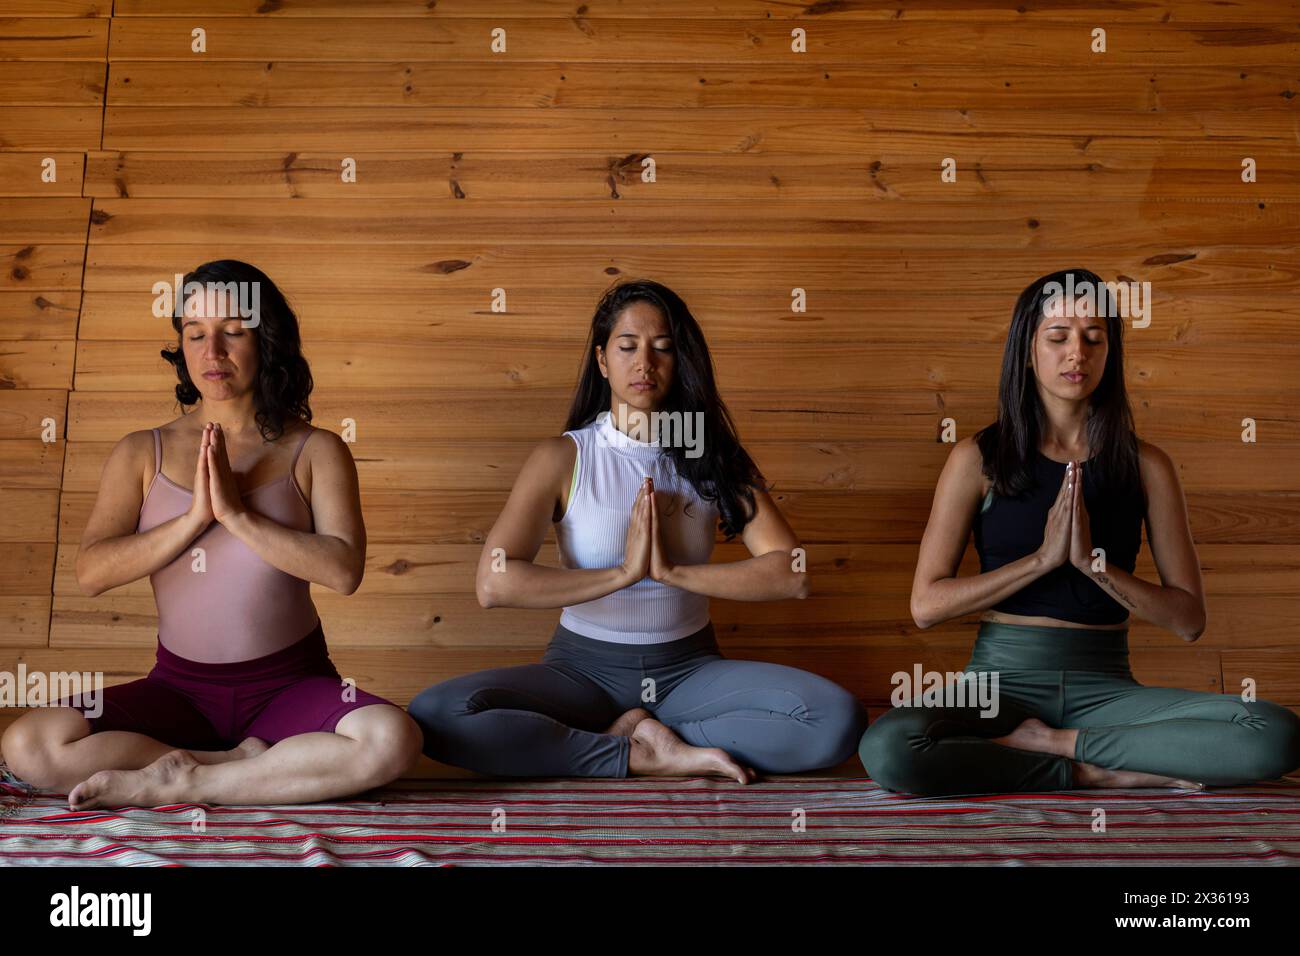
(593, 534)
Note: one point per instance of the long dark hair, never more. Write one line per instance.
(283, 376)
(724, 473)
(1010, 445)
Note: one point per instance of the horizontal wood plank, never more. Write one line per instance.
(56, 83)
(999, 171)
(1274, 674)
(39, 315)
(843, 226)
(893, 42)
(50, 128)
(24, 411)
(27, 570)
(52, 38)
(42, 268)
(815, 85)
(49, 220)
(32, 462)
(41, 363)
(957, 132)
(22, 174)
(417, 267)
(25, 620)
(1018, 11)
(32, 515)
(59, 8)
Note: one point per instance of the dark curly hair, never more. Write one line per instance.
(283, 376)
(724, 474)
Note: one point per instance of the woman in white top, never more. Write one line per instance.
(632, 682)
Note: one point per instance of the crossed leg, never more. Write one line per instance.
(54, 749)
(548, 720)
(1115, 728)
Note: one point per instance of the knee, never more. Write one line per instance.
(437, 711)
(20, 747)
(389, 744)
(28, 748)
(843, 719)
(435, 708)
(1277, 749)
(888, 753)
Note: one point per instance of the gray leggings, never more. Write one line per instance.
(547, 719)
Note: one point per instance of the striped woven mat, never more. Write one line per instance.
(668, 821)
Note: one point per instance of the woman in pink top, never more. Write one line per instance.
(244, 705)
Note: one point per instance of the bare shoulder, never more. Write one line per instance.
(136, 448)
(966, 454)
(1150, 454)
(322, 442)
(548, 471)
(552, 461)
(136, 442)
(1155, 464)
(556, 453)
(965, 466)
(132, 457)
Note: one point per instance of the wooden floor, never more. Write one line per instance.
(774, 171)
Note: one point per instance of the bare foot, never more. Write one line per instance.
(1033, 734)
(624, 726)
(658, 752)
(249, 747)
(166, 780)
(1090, 775)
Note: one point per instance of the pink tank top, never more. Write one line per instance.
(238, 607)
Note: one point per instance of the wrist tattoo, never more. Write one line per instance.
(1105, 581)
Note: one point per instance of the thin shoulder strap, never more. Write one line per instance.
(294, 464)
(157, 451)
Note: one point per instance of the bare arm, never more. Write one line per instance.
(112, 553)
(507, 576)
(770, 575)
(334, 554)
(1178, 602)
(938, 595)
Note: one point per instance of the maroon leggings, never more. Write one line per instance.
(196, 706)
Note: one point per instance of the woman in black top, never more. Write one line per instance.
(1056, 491)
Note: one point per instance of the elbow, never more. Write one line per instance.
(87, 588)
(1193, 629)
(352, 576)
(920, 614)
(485, 591)
(85, 583)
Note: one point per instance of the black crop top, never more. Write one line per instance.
(1007, 529)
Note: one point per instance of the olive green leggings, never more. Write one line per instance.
(1068, 678)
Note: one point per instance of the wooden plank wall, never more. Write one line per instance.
(775, 170)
